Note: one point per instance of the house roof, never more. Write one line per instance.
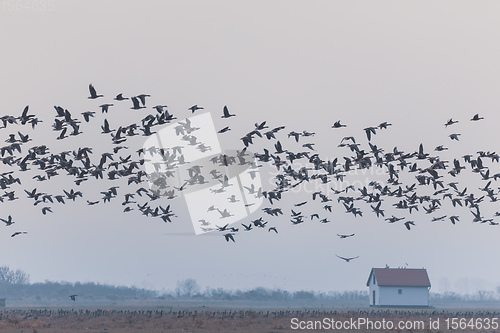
(408, 277)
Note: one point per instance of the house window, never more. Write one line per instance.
(374, 279)
(400, 291)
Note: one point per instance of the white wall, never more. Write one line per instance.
(373, 286)
(409, 296)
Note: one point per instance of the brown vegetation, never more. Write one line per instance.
(206, 319)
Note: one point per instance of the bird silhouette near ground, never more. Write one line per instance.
(416, 180)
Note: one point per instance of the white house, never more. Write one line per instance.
(399, 287)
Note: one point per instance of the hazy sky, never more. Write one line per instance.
(302, 64)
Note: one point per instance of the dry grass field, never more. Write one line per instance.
(204, 319)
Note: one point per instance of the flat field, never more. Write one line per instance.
(207, 319)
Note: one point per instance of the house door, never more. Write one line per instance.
(374, 297)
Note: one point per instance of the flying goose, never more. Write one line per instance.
(226, 114)
(347, 259)
(8, 221)
(93, 93)
(337, 124)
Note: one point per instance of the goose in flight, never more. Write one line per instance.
(440, 148)
(142, 97)
(224, 228)
(421, 155)
(8, 221)
(33, 194)
(24, 138)
(476, 117)
(345, 236)
(93, 93)
(229, 236)
(279, 148)
(261, 126)
(297, 220)
(18, 233)
(226, 114)
(87, 115)
(136, 104)
(308, 145)
(369, 131)
(295, 135)
(105, 107)
(477, 215)
(377, 209)
(408, 223)
(348, 138)
(247, 227)
(73, 297)
(347, 259)
(63, 134)
(450, 122)
(306, 133)
(393, 219)
(384, 125)
(45, 210)
(159, 108)
(194, 108)
(120, 97)
(259, 223)
(337, 124)
(224, 130)
(25, 117)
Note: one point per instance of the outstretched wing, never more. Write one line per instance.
(92, 91)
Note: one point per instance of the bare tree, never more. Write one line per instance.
(484, 295)
(187, 288)
(18, 276)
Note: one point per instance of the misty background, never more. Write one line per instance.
(292, 63)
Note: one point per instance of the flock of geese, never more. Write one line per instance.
(292, 154)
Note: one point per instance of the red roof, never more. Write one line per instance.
(408, 277)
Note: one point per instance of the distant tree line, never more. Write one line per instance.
(16, 283)
(480, 295)
(189, 288)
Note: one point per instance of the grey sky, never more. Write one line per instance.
(302, 64)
